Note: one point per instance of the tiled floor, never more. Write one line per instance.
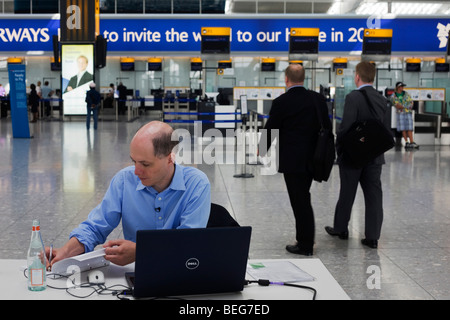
(61, 174)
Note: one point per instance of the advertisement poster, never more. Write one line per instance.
(77, 63)
(18, 94)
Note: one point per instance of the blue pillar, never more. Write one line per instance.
(18, 98)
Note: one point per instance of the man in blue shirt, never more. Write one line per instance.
(155, 193)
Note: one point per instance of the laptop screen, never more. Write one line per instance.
(190, 261)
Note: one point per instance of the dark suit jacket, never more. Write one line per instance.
(93, 97)
(294, 114)
(357, 109)
(73, 82)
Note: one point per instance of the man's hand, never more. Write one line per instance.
(120, 252)
(72, 248)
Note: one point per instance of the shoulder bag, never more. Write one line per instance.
(325, 152)
(366, 139)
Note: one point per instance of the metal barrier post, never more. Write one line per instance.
(244, 173)
(253, 139)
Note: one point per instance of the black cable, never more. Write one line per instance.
(265, 283)
(100, 289)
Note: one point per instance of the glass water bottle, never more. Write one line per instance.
(37, 260)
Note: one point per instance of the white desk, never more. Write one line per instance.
(12, 277)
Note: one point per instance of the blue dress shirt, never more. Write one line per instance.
(186, 203)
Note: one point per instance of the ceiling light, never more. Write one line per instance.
(372, 8)
(335, 8)
(415, 8)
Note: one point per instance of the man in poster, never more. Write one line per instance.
(82, 77)
(77, 61)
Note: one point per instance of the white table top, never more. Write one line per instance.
(12, 276)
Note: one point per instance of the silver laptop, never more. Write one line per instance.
(190, 261)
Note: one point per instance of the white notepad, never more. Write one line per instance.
(278, 271)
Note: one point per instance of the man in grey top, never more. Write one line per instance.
(369, 176)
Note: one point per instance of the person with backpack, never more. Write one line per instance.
(356, 108)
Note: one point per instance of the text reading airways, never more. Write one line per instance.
(9, 35)
(24, 34)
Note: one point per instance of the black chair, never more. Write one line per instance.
(220, 217)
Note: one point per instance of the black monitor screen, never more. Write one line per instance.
(196, 66)
(127, 66)
(339, 65)
(55, 66)
(224, 65)
(413, 67)
(154, 66)
(377, 45)
(215, 44)
(308, 45)
(267, 66)
(442, 67)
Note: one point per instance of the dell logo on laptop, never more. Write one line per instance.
(192, 263)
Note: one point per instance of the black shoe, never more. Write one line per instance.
(370, 243)
(341, 235)
(293, 248)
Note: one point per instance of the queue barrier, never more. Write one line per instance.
(174, 117)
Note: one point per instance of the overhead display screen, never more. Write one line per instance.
(442, 67)
(308, 45)
(215, 44)
(377, 42)
(77, 62)
(304, 43)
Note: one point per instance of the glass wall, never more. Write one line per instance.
(121, 6)
(361, 7)
(245, 71)
(41, 6)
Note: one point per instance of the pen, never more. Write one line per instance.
(50, 255)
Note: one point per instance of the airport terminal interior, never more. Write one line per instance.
(62, 172)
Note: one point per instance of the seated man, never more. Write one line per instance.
(155, 193)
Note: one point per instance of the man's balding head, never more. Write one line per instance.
(159, 134)
(295, 74)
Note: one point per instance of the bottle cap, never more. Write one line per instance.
(36, 225)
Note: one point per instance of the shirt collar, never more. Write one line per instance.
(364, 85)
(296, 86)
(178, 179)
(176, 184)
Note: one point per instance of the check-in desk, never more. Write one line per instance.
(206, 110)
(431, 127)
(427, 128)
(132, 108)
